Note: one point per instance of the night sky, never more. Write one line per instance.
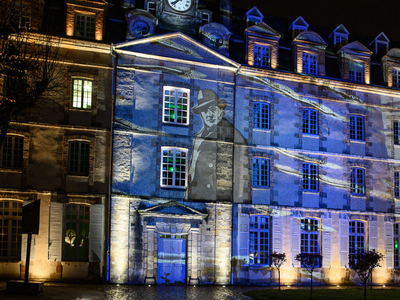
(361, 16)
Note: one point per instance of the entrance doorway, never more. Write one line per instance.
(171, 267)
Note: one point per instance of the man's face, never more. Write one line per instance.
(212, 115)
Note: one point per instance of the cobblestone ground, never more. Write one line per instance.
(128, 292)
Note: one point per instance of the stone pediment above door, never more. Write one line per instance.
(172, 209)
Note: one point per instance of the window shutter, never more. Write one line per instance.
(295, 241)
(327, 242)
(96, 233)
(389, 244)
(24, 244)
(344, 242)
(277, 234)
(55, 231)
(373, 236)
(243, 236)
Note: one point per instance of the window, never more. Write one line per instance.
(259, 240)
(85, 26)
(205, 18)
(151, 7)
(11, 153)
(396, 240)
(176, 106)
(260, 115)
(357, 128)
(356, 237)
(76, 232)
(78, 159)
(261, 56)
(396, 78)
(396, 184)
(309, 64)
(356, 71)
(340, 40)
(10, 229)
(82, 93)
(357, 186)
(309, 236)
(173, 167)
(396, 132)
(310, 177)
(310, 121)
(260, 172)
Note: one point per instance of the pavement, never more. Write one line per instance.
(68, 291)
(74, 291)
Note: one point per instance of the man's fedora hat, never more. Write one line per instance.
(207, 98)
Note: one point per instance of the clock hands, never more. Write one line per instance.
(175, 2)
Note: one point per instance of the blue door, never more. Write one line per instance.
(171, 265)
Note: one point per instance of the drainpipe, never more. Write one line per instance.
(114, 57)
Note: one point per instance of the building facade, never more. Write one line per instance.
(225, 149)
(58, 153)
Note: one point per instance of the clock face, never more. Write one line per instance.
(180, 5)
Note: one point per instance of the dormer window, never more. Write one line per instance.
(381, 44)
(205, 18)
(309, 63)
(262, 46)
(85, 26)
(254, 16)
(396, 78)
(151, 7)
(309, 53)
(355, 62)
(85, 19)
(298, 25)
(261, 56)
(340, 36)
(356, 71)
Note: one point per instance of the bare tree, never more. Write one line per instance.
(310, 262)
(29, 62)
(277, 260)
(364, 263)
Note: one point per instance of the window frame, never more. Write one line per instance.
(396, 184)
(309, 63)
(357, 181)
(205, 17)
(310, 235)
(77, 221)
(261, 118)
(340, 39)
(15, 156)
(310, 121)
(260, 172)
(13, 218)
(86, 30)
(357, 128)
(310, 177)
(166, 117)
(396, 132)
(259, 240)
(76, 166)
(81, 98)
(356, 236)
(396, 251)
(261, 56)
(396, 78)
(355, 74)
(165, 168)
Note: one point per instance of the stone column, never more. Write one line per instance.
(194, 232)
(150, 252)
